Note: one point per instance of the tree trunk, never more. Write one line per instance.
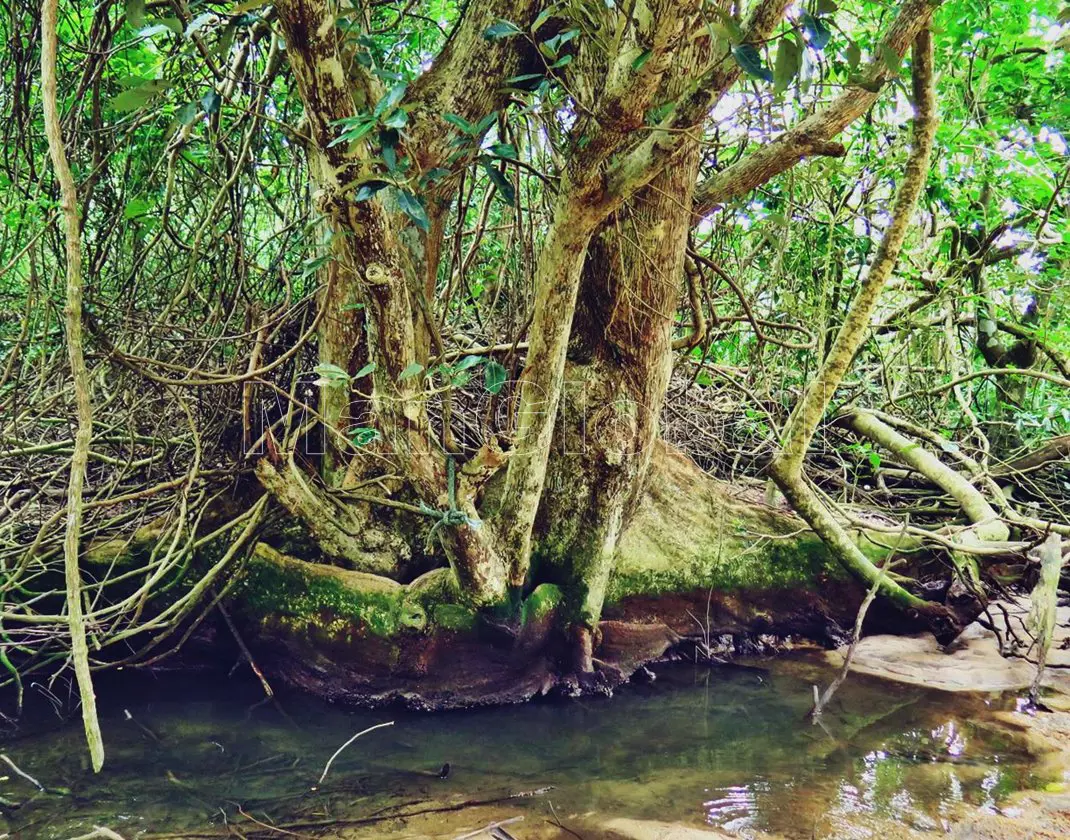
(620, 360)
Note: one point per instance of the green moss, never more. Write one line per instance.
(453, 617)
(544, 599)
(305, 594)
(794, 562)
(342, 605)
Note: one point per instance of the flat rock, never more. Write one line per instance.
(973, 662)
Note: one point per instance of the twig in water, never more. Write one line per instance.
(140, 725)
(489, 828)
(561, 825)
(245, 652)
(22, 773)
(269, 827)
(330, 761)
(823, 700)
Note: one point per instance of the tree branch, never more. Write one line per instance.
(787, 467)
(814, 134)
(80, 375)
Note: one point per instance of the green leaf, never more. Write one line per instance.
(542, 17)
(493, 376)
(136, 207)
(330, 375)
(314, 264)
(640, 60)
(787, 65)
(414, 209)
(817, 30)
(365, 371)
(353, 307)
(369, 189)
(434, 175)
(728, 29)
(485, 123)
(826, 7)
(505, 189)
(748, 57)
(552, 46)
(134, 98)
(211, 102)
(397, 119)
(854, 55)
(248, 6)
(188, 113)
(521, 80)
(135, 13)
(390, 99)
(412, 370)
(354, 132)
(501, 29)
(468, 362)
(460, 122)
(504, 150)
(390, 157)
(892, 60)
(363, 435)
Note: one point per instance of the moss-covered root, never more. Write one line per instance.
(359, 638)
(346, 534)
(338, 605)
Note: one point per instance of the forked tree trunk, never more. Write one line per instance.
(620, 360)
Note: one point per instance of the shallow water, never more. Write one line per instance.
(729, 747)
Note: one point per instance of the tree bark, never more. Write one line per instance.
(620, 360)
(787, 467)
(80, 375)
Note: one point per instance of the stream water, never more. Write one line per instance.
(728, 747)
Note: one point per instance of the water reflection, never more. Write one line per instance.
(730, 748)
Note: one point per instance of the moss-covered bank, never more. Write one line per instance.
(699, 564)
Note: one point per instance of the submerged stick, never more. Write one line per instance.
(489, 828)
(245, 652)
(21, 772)
(330, 761)
(856, 636)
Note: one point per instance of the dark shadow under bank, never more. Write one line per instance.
(485, 663)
